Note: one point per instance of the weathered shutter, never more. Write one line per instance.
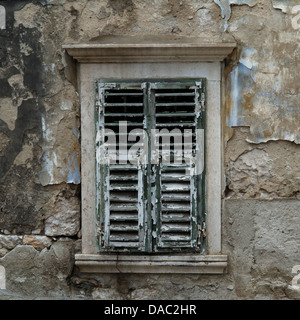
(121, 183)
(157, 203)
(177, 188)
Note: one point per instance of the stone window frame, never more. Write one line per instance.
(159, 60)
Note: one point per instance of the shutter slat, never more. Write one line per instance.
(175, 238)
(123, 178)
(117, 134)
(175, 94)
(123, 188)
(124, 228)
(123, 104)
(175, 125)
(176, 104)
(129, 124)
(125, 236)
(176, 228)
(179, 207)
(175, 197)
(175, 134)
(115, 145)
(124, 245)
(122, 217)
(183, 145)
(176, 217)
(122, 94)
(177, 114)
(126, 167)
(174, 177)
(124, 158)
(172, 168)
(175, 187)
(123, 207)
(124, 115)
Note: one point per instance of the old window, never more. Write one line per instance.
(150, 166)
(155, 241)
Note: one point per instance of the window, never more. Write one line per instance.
(149, 248)
(150, 189)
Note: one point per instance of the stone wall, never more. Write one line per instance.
(40, 146)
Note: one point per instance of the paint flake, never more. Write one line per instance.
(225, 6)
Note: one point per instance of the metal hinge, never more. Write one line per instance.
(201, 232)
(97, 105)
(101, 235)
(100, 105)
(204, 230)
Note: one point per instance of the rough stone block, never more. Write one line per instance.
(38, 242)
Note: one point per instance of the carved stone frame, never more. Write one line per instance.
(188, 59)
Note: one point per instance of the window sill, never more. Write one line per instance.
(192, 264)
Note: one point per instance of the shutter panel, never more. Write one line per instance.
(121, 182)
(157, 202)
(178, 201)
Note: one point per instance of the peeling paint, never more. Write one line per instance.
(73, 168)
(225, 6)
(76, 133)
(240, 86)
(52, 170)
(284, 5)
(26, 16)
(8, 112)
(66, 105)
(248, 57)
(24, 156)
(46, 175)
(50, 68)
(254, 97)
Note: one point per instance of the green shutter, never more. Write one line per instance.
(121, 183)
(159, 204)
(177, 202)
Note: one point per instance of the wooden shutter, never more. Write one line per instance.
(121, 184)
(178, 198)
(152, 205)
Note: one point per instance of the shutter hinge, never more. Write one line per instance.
(99, 105)
(201, 232)
(102, 236)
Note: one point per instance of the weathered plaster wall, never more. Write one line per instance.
(262, 87)
(40, 145)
